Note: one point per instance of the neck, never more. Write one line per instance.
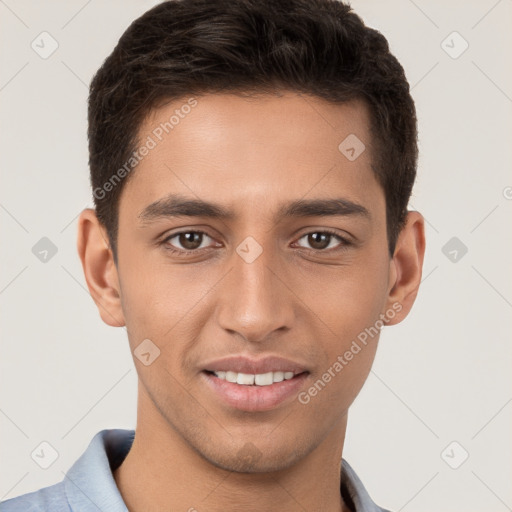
(163, 472)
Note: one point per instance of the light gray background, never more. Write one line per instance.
(443, 375)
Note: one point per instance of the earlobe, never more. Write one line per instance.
(406, 267)
(99, 268)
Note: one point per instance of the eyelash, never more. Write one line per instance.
(344, 243)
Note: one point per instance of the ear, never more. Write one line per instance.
(406, 268)
(99, 268)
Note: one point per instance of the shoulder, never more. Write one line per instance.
(88, 485)
(52, 498)
(354, 492)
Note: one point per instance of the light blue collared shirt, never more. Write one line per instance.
(89, 485)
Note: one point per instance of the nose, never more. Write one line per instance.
(255, 301)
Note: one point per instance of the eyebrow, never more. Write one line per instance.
(176, 205)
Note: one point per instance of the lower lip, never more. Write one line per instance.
(255, 398)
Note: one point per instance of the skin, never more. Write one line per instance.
(299, 300)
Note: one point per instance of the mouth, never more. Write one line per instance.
(252, 392)
(251, 379)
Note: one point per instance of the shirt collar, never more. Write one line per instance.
(90, 484)
(352, 489)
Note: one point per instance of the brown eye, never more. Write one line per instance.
(190, 241)
(187, 240)
(319, 240)
(322, 240)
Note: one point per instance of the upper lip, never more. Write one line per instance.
(243, 364)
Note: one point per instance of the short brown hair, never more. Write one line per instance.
(186, 47)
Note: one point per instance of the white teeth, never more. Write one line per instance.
(263, 379)
(245, 378)
(230, 376)
(259, 379)
(278, 376)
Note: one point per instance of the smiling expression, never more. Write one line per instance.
(252, 252)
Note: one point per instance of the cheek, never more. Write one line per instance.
(351, 309)
(350, 306)
(161, 301)
(349, 299)
(332, 392)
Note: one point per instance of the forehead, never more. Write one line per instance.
(273, 119)
(253, 149)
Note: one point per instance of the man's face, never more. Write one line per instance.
(255, 285)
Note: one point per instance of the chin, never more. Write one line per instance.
(256, 457)
(237, 464)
